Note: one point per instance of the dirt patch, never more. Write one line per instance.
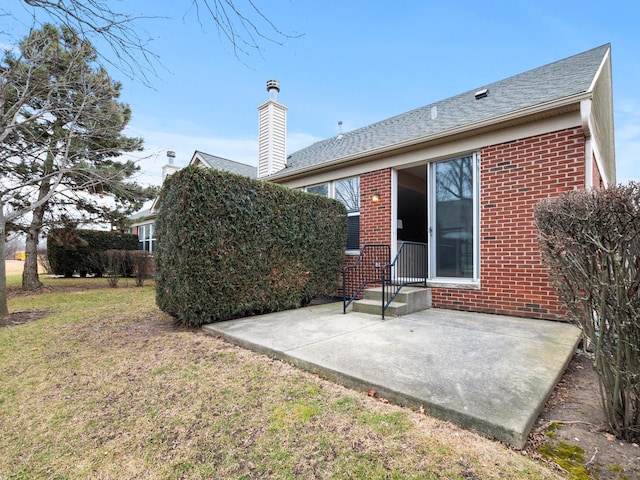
(19, 318)
(17, 291)
(573, 417)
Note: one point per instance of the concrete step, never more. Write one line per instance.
(374, 307)
(416, 298)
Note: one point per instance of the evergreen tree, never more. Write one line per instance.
(61, 130)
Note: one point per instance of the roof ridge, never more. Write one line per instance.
(223, 158)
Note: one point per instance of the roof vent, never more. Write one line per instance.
(482, 93)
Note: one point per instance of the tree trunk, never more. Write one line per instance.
(30, 279)
(4, 308)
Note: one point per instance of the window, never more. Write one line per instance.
(322, 189)
(454, 213)
(346, 191)
(146, 237)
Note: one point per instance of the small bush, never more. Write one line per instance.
(142, 263)
(229, 246)
(591, 243)
(116, 262)
(126, 263)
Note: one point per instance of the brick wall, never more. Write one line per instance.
(375, 216)
(514, 177)
(375, 225)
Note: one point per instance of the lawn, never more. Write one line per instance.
(107, 386)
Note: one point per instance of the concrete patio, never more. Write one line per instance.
(488, 373)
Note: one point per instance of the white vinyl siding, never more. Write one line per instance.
(272, 138)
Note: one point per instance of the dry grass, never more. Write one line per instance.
(106, 386)
(13, 266)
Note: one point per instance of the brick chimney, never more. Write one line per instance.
(272, 133)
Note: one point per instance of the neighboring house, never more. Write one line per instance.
(143, 222)
(463, 175)
(143, 225)
(218, 163)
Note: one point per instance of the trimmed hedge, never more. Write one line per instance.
(229, 246)
(72, 251)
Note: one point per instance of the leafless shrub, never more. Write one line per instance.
(591, 243)
(116, 262)
(127, 263)
(43, 261)
(142, 264)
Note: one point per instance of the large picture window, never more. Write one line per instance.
(346, 191)
(454, 218)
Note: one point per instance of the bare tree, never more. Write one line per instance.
(245, 28)
(14, 244)
(240, 22)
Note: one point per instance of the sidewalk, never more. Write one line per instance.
(488, 373)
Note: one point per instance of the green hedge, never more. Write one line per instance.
(229, 246)
(72, 251)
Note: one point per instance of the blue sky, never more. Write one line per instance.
(360, 62)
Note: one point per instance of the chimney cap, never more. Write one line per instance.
(271, 84)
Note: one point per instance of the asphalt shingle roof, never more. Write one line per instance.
(564, 78)
(226, 165)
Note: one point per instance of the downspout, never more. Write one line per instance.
(585, 115)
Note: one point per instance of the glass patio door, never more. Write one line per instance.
(453, 223)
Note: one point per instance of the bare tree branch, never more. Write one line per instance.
(95, 19)
(245, 27)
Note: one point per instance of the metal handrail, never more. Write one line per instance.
(409, 267)
(365, 271)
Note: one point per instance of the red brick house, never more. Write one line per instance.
(462, 176)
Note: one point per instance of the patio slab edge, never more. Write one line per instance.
(516, 437)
